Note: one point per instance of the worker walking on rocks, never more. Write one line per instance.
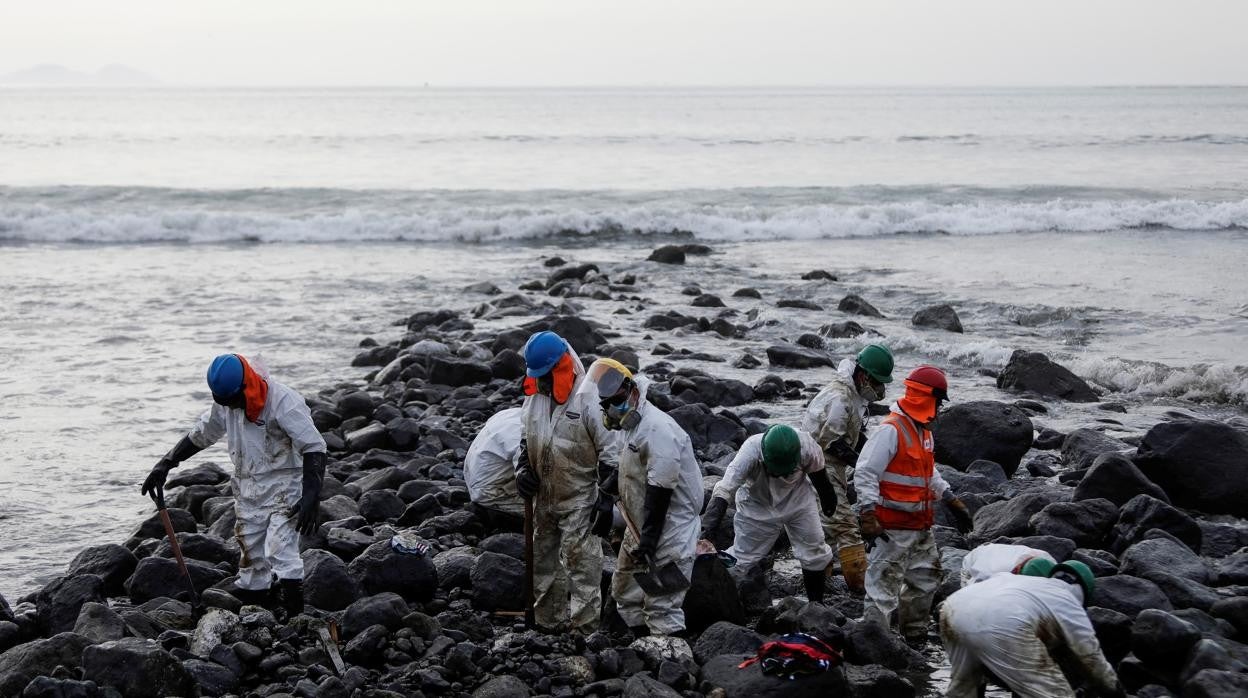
(490, 474)
(776, 477)
(557, 466)
(1011, 625)
(660, 488)
(898, 486)
(279, 465)
(835, 418)
(998, 558)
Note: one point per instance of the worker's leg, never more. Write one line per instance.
(281, 547)
(665, 614)
(251, 527)
(965, 671)
(753, 539)
(886, 571)
(627, 594)
(841, 529)
(581, 554)
(806, 536)
(921, 580)
(550, 605)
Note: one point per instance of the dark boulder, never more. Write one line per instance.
(856, 305)
(714, 392)
(575, 330)
(843, 330)
(1010, 517)
(1161, 555)
(872, 643)
(152, 527)
(160, 576)
(668, 254)
(724, 637)
(1060, 548)
(751, 682)
(942, 317)
(982, 429)
(60, 601)
(495, 579)
(794, 356)
(507, 364)
(386, 609)
(457, 372)
(1114, 477)
(1128, 595)
(707, 300)
(112, 563)
(211, 678)
(798, 303)
(99, 623)
(381, 505)
(1032, 372)
(202, 474)
(1144, 513)
(381, 568)
(326, 583)
(1085, 522)
(200, 547)
(705, 427)
(874, 681)
(576, 271)
(1161, 639)
(138, 668)
(747, 293)
(1113, 631)
(712, 597)
(1216, 683)
(818, 275)
(22, 663)
(503, 687)
(1200, 463)
(642, 686)
(1082, 447)
(368, 437)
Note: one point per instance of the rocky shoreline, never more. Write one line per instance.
(1158, 515)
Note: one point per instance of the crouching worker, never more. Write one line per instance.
(490, 474)
(1011, 625)
(997, 558)
(660, 488)
(279, 465)
(775, 478)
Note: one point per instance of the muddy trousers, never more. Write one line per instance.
(1022, 662)
(755, 536)
(902, 575)
(840, 529)
(663, 615)
(268, 544)
(567, 570)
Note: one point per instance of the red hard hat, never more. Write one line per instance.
(930, 376)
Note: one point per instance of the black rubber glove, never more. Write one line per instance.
(603, 516)
(526, 478)
(154, 483)
(609, 480)
(657, 501)
(875, 409)
(823, 488)
(843, 452)
(714, 517)
(961, 515)
(310, 503)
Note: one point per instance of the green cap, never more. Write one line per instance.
(877, 361)
(782, 450)
(1086, 579)
(1037, 567)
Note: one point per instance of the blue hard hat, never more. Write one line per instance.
(225, 376)
(542, 352)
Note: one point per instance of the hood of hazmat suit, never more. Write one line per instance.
(836, 413)
(488, 469)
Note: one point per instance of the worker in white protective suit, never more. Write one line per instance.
(835, 418)
(489, 471)
(565, 453)
(279, 465)
(898, 484)
(780, 484)
(660, 489)
(997, 558)
(1011, 625)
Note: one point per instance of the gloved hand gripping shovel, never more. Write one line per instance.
(197, 604)
(667, 579)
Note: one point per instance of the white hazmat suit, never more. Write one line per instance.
(488, 467)
(995, 558)
(837, 413)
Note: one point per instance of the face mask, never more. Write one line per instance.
(620, 416)
(869, 392)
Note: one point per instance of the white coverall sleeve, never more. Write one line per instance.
(209, 428)
(940, 487)
(1081, 639)
(872, 462)
(828, 420)
(663, 468)
(812, 454)
(740, 469)
(304, 436)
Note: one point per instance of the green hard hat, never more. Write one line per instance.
(1037, 567)
(1086, 579)
(877, 361)
(782, 450)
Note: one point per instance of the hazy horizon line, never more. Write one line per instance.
(616, 86)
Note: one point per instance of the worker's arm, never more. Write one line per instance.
(1080, 639)
(743, 467)
(209, 428)
(827, 420)
(872, 463)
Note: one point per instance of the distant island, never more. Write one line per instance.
(52, 75)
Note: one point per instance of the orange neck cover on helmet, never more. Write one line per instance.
(918, 403)
(564, 375)
(255, 391)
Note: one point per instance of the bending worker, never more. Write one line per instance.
(898, 484)
(557, 466)
(660, 487)
(490, 474)
(775, 478)
(995, 558)
(1045, 616)
(279, 465)
(835, 418)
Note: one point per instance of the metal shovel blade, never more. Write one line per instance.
(667, 579)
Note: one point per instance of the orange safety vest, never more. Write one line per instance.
(906, 486)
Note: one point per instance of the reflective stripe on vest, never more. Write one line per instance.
(906, 485)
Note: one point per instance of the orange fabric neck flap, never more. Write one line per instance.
(918, 403)
(564, 374)
(255, 391)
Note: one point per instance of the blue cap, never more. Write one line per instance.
(542, 352)
(225, 376)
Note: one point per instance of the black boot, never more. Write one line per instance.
(639, 631)
(252, 597)
(292, 596)
(814, 582)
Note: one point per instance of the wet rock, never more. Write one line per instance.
(1234, 569)
(139, 668)
(722, 672)
(1114, 477)
(1152, 556)
(799, 303)
(355, 404)
(712, 597)
(326, 583)
(22, 663)
(642, 686)
(1113, 631)
(1143, 513)
(1183, 592)
(577, 331)
(874, 681)
(1041, 466)
(376, 356)
(747, 293)
(200, 547)
(152, 527)
(99, 623)
(1200, 463)
(714, 392)
(843, 330)
(1220, 539)
(202, 474)
(158, 576)
(507, 364)
(667, 321)
(1010, 517)
(381, 505)
(211, 678)
(793, 356)
(818, 275)
(509, 544)
(459, 372)
(346, 543)
(810, 341)
(657, 649)
(724, 637)
(387, 609)
(746, 361)
(668, 254)
(1128, 595)
(707, 300)
(1233, 610)
(483, 287)
(1082, 447)
(380, 568)
(502, 687)
(217, 626)
(1059, 548)
(1214, 683)
(942, 317)
(61, 600)
(368, 437)
(872, 643)
(982, 429)
(1033, 372)
(1085, 522)
(495, 579)
(705, 427)
(1161, 639)
(365, 648)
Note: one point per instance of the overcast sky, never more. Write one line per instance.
(638, 42)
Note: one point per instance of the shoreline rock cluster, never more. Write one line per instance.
(1159, 517)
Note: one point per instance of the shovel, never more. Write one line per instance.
(197, 605)
(667, 579)
(528, 563)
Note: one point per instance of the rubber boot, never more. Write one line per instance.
(814, 582)
(252, 597)
(292, 596)
(639, 631)
(854, 567)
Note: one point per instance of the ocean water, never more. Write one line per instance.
(143, 232)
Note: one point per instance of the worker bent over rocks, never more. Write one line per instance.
(489, 471)
(898, 486)
(660, 489)
(279, 465)
(997, 558)
(775, 477)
